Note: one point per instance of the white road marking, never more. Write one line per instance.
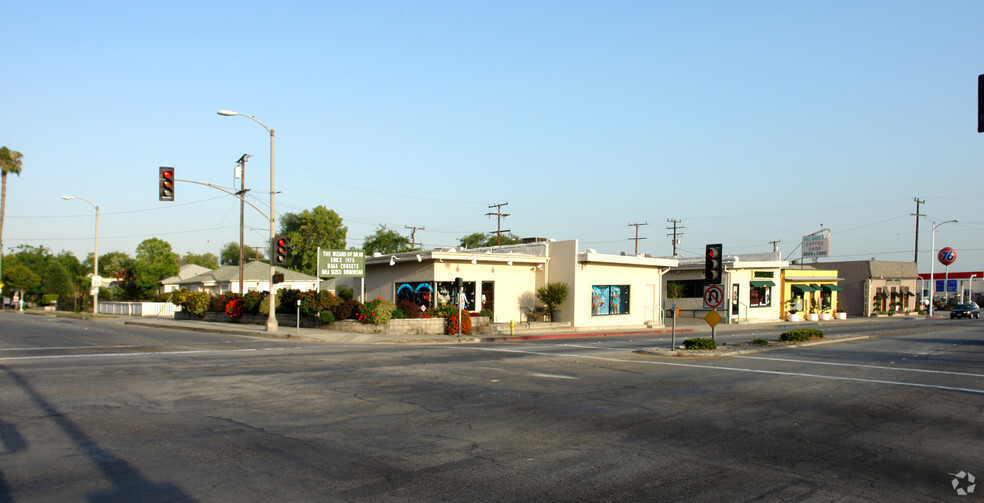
(735, 369)
(879, 367)
(149, 353)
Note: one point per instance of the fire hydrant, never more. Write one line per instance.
(512, 328)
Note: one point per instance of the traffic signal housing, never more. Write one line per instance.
(713, 265)
(166, 184)
(278, 250)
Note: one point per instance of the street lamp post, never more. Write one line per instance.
(271, 324)
(932, 267)
(95, 256)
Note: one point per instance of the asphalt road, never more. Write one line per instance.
(98, 411)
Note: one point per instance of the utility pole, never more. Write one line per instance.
(637, 238)
(775, 245)
(498, 213)
(413, 233)
(676, 234)
(917, 215)
(241, 174)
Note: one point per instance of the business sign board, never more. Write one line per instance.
(947, 256)
(341, 263)
(816, 245)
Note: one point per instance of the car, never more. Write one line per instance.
(965, 311)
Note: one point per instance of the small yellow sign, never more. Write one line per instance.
(712, 318)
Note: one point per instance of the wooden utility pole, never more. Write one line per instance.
(498, 213)
(676, 234)
(413, 234)
(917, 215)
(775, 245)
(637, 238)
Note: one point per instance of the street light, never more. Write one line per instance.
(932, 267)
(271, 324)
(95, 257)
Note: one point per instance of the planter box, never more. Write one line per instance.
(813, 317)
(825, 316)
(795, 317)
(841, 316)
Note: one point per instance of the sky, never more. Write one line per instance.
(747, 122)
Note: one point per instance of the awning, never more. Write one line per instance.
(816, 287)
(832, 288)
(760, 284)
(802, 288)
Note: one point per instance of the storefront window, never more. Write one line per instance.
(610, 299)
(760, 296)
(446, 294)
(420, 293)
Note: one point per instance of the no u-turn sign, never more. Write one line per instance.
(713, 296)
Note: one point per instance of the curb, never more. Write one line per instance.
(737, 350)
(578, 335)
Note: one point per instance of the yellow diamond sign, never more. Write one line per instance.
(712, 318)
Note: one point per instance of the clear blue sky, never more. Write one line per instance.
(748, 121)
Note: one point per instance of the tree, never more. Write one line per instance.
(19, 277)
(483, 239)
(386, 240)
(229, 255)
(56, 280)
(10, 162)
(116, 264)
(309, 230)
(208, 260)
(155, 261)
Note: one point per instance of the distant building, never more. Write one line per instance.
(752, 286)
(881, 285)
(603, 290)
(256, 278)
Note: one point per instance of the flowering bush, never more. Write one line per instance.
(451, 325)
(376, 311)
(411, 309)
(197, 303)
(345, 309)
(234, 308)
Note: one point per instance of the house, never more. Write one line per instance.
(870, 285)
(750, 282)
(256, 277)
(604, 290)
(186, 271)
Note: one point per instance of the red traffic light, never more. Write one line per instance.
(166, 184)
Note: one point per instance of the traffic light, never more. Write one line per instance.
(278, 277)
(980, 103)
(166, 182)
(713, 267)
(278, 250)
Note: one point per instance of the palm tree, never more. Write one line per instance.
(10, 162)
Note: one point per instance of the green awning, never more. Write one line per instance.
(760, 284)
(832, 288)
(802, 288)
(816, 287)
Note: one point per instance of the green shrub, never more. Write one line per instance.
(760, 342)
(376, 311)
(252, 300)
(48, 298)
(345, 292)
(326, 317)
(398, 314)
(486, 313)
(700, 343)
(264, 307)
(801, 335)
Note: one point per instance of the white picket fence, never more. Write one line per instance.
(143, 309)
